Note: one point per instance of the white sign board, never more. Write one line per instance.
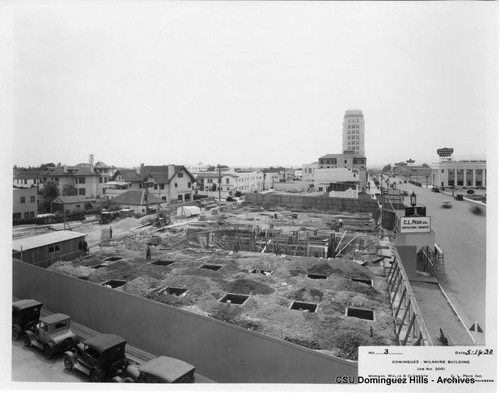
(414, 224)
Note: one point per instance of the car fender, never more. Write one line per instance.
(32, 336)
(71, 355)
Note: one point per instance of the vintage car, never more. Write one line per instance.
(162, 369)
(459, 197)
(447, 205)
(25, 315)
(435, 189)
(52, 334)
(101, 357)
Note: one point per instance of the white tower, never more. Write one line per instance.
(353, 138)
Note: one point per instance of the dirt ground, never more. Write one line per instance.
(183, 272)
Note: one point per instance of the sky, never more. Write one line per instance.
(250, 83)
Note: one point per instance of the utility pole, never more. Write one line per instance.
(218, 167)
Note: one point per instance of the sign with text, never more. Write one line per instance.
(414, 224)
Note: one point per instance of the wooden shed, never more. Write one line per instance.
(44, 250)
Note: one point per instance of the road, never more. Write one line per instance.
(462, 237)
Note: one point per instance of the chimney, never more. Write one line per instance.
(91, 162)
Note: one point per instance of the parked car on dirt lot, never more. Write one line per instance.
(52, 334)
(447, 204)
(25, 315)
(162, 369)
(101, 357)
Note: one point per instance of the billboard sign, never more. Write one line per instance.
(445, 152)
(414, 224)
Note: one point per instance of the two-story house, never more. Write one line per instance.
(170, 183)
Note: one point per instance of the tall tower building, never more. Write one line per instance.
(353, 138)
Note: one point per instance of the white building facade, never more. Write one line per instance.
(353, 135)
(459, 174)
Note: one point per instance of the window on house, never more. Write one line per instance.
(32, 214)
(162, 186)
(442, 170)
(179, 198)
(23, 200)
(100, 179)
(156, 186)
(25, 181)
(32, 198)
(180, 174)
(26, 215)
(164, 198)
(189, 185)
(81, 180)
(320, 188)
(175, 184)
(16, 216)
(187, 197)
(81, 191)
(227, 180)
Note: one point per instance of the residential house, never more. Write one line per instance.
(70, 204)
(172, 184)
(140, 201)
(25, 205)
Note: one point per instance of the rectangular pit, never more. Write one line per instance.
(303, 306)
(175, 291)
(363, 281)
(261, 271)
(234, 298)
(317, 276)
(163, 263)
(360, 313)
(114, 283)
(113, 259)
(211, 267)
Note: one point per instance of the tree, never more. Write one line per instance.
(69, 190)
(386, 168)
(425, 166)
(49, 193)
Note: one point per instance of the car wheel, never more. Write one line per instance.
(26, 341)
(95, 376)
(116, 367)
(68, 363)
(15, 333)
(47, 350)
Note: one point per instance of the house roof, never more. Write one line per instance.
(28, 243)
(129, 175)
(72, 199)
(136, 197)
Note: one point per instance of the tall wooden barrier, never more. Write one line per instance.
(220, 351)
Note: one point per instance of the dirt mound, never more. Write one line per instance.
(247, 287)
(308, 295)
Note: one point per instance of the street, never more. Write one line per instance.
(462, 237)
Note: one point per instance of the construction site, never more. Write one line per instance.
(315, 277)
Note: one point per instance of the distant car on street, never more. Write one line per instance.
(435, 189)
(447, 205)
